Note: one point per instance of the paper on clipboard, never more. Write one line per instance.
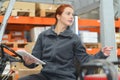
(25, 53)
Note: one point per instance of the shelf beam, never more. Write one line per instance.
(48, 1)
(51, 21)
(29, 20)
(84, 24)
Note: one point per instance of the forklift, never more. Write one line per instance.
(107, 68)
(110, 73)
(6, 57)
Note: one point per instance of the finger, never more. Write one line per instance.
(109, 48)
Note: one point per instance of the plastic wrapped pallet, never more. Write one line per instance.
(89, 37)
(34, 32)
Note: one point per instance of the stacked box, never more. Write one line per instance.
(6, 38)
(21, 70)
(22, 8)
(45, 9)
(17, 36)
(34, 32)
(89, 37)
(47, 27)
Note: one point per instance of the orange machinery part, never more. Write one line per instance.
(98, 77)
(93, 51)
(10, 53)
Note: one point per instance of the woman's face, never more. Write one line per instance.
(66, 18)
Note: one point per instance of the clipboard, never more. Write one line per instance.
(25, 53)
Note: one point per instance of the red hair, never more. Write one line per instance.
(60, 10)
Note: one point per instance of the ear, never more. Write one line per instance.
(58, 17)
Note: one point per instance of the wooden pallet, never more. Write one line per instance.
(118, 45)
(23, 13)
(21, 8)
(45, 10)
(15, 44)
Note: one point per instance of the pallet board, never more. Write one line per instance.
(31, 9)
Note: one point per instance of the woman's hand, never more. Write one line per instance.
(28, 60)
(106, 50)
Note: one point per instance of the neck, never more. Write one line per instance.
(60, 28)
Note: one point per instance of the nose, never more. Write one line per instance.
(72, 17)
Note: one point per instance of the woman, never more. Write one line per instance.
(57, 46)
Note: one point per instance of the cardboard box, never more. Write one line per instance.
(21, 7)
(21, 70)
(34, 32)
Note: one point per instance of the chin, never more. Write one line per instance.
(70, 25)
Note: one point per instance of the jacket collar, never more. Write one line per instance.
(67, 33)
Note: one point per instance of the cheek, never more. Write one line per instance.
(64, 20)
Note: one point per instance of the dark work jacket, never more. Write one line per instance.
(57, 51)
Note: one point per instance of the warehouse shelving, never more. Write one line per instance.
(23, 23)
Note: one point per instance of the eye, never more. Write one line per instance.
(68, 13)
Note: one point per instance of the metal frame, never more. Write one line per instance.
(5, 19)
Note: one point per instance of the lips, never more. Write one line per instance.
(70, 21)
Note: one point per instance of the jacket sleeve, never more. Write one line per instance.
(37, 50)
(82, 55)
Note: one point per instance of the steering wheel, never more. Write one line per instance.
(4, 57)
(10, 49)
